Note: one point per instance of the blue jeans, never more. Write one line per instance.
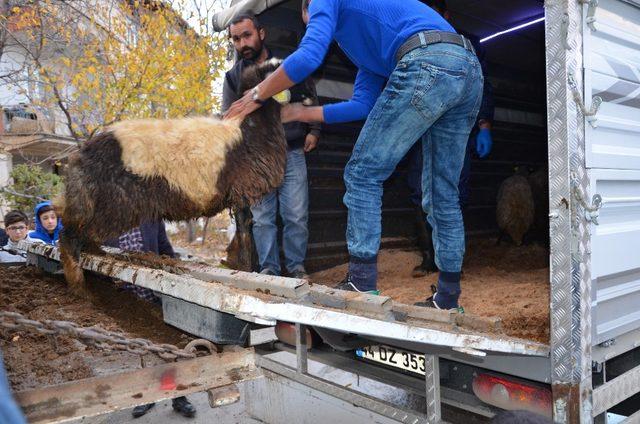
(434, 93)
(10, 412)
(414, 172)
(293, 196)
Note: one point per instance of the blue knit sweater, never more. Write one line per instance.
(369, 32)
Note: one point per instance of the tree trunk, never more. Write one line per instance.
(191, 231)
(204, 230)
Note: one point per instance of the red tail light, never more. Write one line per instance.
(286, 333)
(511, 395)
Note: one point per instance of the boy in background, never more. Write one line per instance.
(17, 228)
(48, 226)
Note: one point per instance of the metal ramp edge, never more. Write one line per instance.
(264, 307)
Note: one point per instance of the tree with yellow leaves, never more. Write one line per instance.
(100, 61)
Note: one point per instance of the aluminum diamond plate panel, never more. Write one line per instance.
(616, 390)
(432, 380)
(570, 277)
(558, 103)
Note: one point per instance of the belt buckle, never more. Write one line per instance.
(466, 42)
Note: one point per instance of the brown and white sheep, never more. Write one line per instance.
(515, 209)
(148, 170)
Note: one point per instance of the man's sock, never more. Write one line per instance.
(448, 290)
(364, 273)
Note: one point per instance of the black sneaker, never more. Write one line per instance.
(140, 410)
(182, 406)
(431, 302)
(348, 285)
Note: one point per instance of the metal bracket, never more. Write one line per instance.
(591, 12)
(596, 366)
(301, 348)
(589, 114)
(591, 211)
(608, 343)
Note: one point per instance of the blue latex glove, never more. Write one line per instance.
(484, 142)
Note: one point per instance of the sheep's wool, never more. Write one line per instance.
(189, 153)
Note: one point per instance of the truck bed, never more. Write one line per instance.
(503, 281)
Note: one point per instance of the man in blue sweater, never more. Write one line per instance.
(417, 78)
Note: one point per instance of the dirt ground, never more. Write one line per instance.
(504, 281)
(34, 360)
(208, 245)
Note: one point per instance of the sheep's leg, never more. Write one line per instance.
(70, 249)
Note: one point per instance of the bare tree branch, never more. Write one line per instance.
(7, 189)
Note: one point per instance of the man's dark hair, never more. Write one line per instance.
(15, 216)
(44, 209)
(243, 16)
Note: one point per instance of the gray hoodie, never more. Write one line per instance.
(10, 257)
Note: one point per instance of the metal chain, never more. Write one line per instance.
(99, 337)
(591, 211)
(589, 114)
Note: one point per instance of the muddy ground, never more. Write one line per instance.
(505, 281)
(34, 360)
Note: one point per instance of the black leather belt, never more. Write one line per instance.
(425, 38)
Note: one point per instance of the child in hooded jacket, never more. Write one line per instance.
(48, 225)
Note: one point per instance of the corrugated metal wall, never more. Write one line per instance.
(612, 62)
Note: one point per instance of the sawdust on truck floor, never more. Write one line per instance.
(504, 281)
(34, 360)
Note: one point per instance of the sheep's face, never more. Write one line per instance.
(254, 75)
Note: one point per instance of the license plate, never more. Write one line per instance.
(393, 357)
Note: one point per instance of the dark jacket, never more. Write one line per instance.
(154, 239)
(40, 233)
(295, 132)
(488, 104)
